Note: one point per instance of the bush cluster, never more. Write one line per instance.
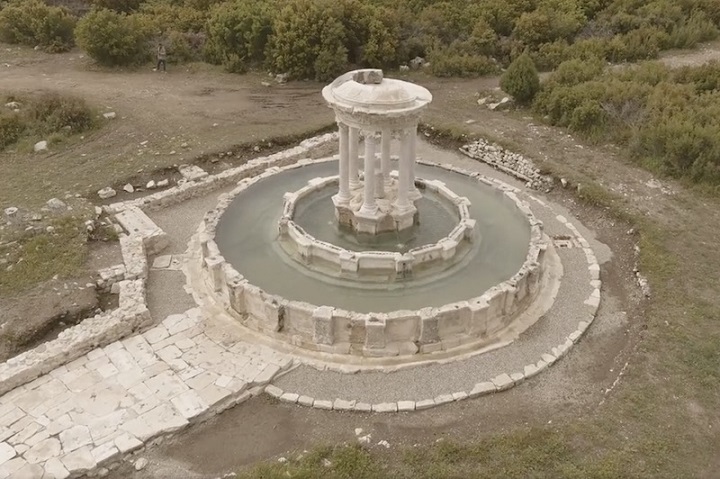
(669, 120)
(319, 38)
(44, 114)
(33, 23)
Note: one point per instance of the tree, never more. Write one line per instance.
(308, 40)
(237, 34)
(112, 38)
(521, 80)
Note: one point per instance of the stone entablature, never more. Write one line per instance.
(475, 322)
(385, 265)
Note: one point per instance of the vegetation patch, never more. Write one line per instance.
(669, 120)
(48, 115)
(33, 23)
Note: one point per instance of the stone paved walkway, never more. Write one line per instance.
(114, 399)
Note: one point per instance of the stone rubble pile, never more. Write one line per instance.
(511, 163)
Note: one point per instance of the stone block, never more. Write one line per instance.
(405, 406)
(517, 377)
(530, 370)
(429, 328)
(322, 404)
(424, 404)
(323, 325)
(306, 401)
(503, 382)
(362, 407)
(444, 399)
(290, 397)
(482, 389)
(385, 407)
(375, 332)
(460, 395)
(548, 358)
(343, 405)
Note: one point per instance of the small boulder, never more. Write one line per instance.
(150, 185)
(40, 146)
(140, 464)
(106, 193)
(129, 188)
(163, 183)
(109, 115)
(11, 211)
(281, 78)
(265, 83)
(56, 204)
(404, 68)
(13, 105)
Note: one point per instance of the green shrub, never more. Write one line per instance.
(704, 78)
(164, 17)
(551, 20)
(698, 28)
(51, 112)
(184, 46)
(454, 61)
(237, 34)
(113, 39)
(521, 79)
(577, 71)
(31, 22)
(549, 55)
(123, 6)
(11, 128)
(308, 40)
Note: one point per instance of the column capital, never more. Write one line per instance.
(342, 125)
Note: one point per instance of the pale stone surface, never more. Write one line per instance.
(406, 405)
(483, 388)
(54, 468)
(424, 404)
(78, 461)
(306, 401)
(502, 382)
(273, 391)
(385, 407)
(74, 438)
(290, 397)
(7, 452)
(322, 404)
(43, 451)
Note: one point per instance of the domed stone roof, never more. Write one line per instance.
(367, 91)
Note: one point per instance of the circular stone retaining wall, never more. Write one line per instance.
(387, 265)
(399, 333)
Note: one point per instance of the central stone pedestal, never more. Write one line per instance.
(386, 216)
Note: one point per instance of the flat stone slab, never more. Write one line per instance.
(113, 399)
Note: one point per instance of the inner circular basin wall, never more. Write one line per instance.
(476, 318)
(328, 257)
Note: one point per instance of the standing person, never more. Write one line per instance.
(161, 57)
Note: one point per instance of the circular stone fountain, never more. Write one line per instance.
(381, 255)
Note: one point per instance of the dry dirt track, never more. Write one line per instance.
(182, 106)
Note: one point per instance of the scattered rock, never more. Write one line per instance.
(404, 68)
(106, 193)
(265, 83)
(109, 115)
(281, 78)
(469, 122)
(215, 124)
(143, 143)
(358, 431)
(163, 183)
(417, 62)
(482, 101)
(282, 460)
(503, 104)
(256, 148)
(326, 462)
(13, 105)
(56, 204)
(40, 146)
(11, 211)
(98, 211)
(384, 443)
(150, 185)
(140, 464)
(129, 188)
(365, 439)
(563, 182)
(184, 145)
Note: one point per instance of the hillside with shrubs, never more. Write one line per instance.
(669, 120)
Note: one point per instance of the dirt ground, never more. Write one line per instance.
(184, 105)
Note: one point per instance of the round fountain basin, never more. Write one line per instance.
(470, 304)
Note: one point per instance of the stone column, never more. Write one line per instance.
(385, 159)
(344, 194)
(414, 193)
(379, 181)
(353, 157)
(402, 203)
(369, 205)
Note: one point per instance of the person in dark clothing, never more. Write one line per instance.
(161, 57)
